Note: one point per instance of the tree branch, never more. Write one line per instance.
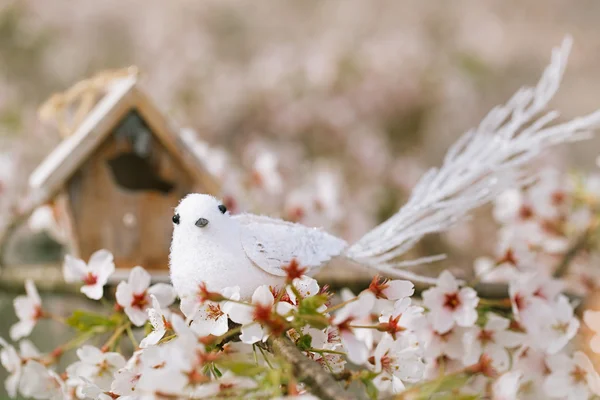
(321, 383)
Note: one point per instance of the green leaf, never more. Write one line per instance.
(305, 342)
(456, 396)
(85, 321)
(309, 305)
(371, 389)
(443, 385)
(241, 368)
(217, 371)
(307, 311)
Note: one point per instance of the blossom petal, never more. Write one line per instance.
(500, 357)
(241, 313)
(220, 326)
(189, 306)
(251, 333)
(447, 282)
(398, 289)
(592, 378)
(105, 272)
(124, 294)
(11, 384)
(25, 308)
(89, 354)
(28, 349)
(401, 306)
(93, 292)
(32, 292)
(595, 344)
(592, 319)
(496, 323)
(21, 329)
(165, 293)
(442, 320)
(357, 350)
(306, 286)
(472, 346)
(507, 386)
(99, 260)
(232, 292)
(509, 339)
(557, 385)
(139, 280)
(73, 269)
(262, 295)
(137, 316)
(465, 316)
(283, 308)
(433, 298)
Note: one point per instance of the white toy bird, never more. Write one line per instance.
(246, 250)
(211, 246)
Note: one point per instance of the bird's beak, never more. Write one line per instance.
(202, 222)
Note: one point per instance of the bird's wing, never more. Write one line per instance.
(272, 243)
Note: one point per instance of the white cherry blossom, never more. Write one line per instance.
(448, 344)
(174, 368)
(92, 391)
(11, 361)
(397, 362)
(126, 379)
(507, 386)
(357, 349)
(493, 339)
(571, 378)
(531, 296)
(28, 309)
(448, 305)
(532, 364)
(559, 327)
(228, 383)
(391, 289)
(488, 270)
(262, 306)
(402, 317)
(328, 339)
(159, 319)
(134, 295)
(209, 317)
(305, 285)
(95, 366)
(94, 275)
(39, 382)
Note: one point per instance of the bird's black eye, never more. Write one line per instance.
(176, 219)
(222, 208)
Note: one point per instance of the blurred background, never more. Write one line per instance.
(320, 112)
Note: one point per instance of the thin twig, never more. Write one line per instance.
(580, 244)
(16, 219)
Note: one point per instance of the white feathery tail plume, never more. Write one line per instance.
(213, 248)
(480, 165)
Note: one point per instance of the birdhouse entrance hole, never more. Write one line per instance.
(132, 169)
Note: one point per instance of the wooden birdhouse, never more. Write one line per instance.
(117, 177)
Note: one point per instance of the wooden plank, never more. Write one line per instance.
(66, 222)
(49, 278)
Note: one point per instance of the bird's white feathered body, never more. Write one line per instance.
(245, 250)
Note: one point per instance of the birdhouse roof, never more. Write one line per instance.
(122, 97)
